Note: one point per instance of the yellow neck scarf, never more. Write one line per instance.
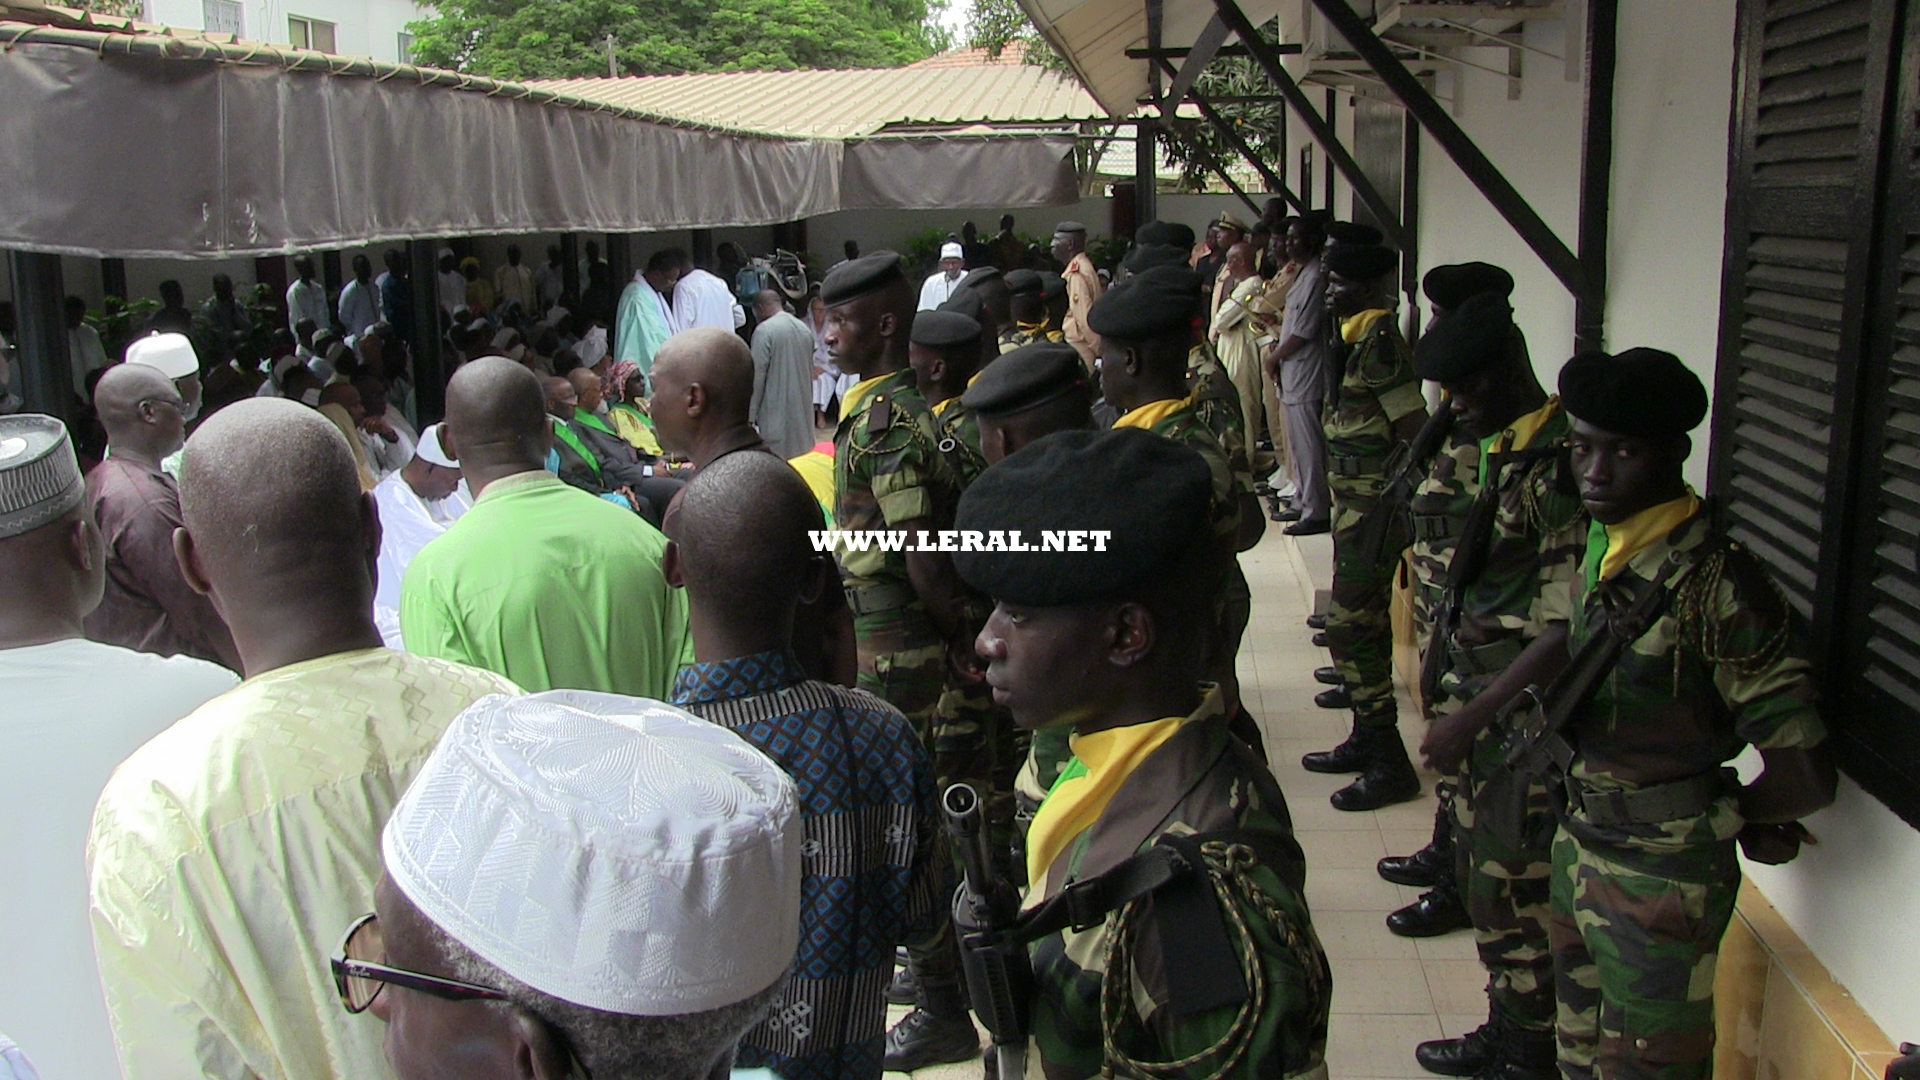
(1146, 416)
(1101, 762)
(1356, 327)
(850, 403)
(1518, 435)
(1620, 543)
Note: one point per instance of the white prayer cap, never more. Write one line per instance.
(445, 253)
(613, 852)
(593, 347)
(952, 251)
(172, 354)
(432, 450)
(283, 365)
(39, 476)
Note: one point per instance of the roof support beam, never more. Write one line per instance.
(1141, 53)
(40, 295)
(1212, 36)
(1274, 183)
(1268, 58)
(1214, 163)
(1465, 154)
(1596, 175)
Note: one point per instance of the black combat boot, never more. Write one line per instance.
(1438, 911)
(1468, 1055)
(1423, 868)
(1338, 697)
(1317, 621)
(1320, 640)
(1328, 675)
(1349, 756)
(937, 1032)
(1524, 1055)
(1389, 777)
(903, 990)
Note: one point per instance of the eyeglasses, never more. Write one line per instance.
(359, 976)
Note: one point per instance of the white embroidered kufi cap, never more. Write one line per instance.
(433, 450)
(172, 354)
(952, 251)
(615, 852)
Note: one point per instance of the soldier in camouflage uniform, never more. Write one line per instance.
(944, 353)
(889, 477)
(1509, 583)
(1644, 866)
(1112, 648)
(1438, 510)
(1375, 408)
(1146, 333)
(1028, 306)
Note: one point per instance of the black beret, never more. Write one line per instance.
(943, 329)
(1070, 227)
(976, 276)
(1165, 232)
(1644, 393)
(1465, 339)
(964, 301)
(1144, 257)
(1449, 286)
(1023, 281)
(1148, 492)
(860, 277)
(1361, 262)
(1051, 285)
(1159, 301)
(1352, 232)
(1029, 376)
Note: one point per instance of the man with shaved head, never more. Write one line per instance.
(702, 385)
(148, 605)
(221, 847)
(873, 873)
(593, 456)
(541, 582)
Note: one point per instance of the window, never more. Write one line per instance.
(305, 33)
(405, 53)
(222, 17)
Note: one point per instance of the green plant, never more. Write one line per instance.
(921, 251)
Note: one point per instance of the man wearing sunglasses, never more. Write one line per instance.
(227, 850)
(580, 885)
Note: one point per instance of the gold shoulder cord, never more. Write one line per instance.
(1697, 631)
(1228, 870)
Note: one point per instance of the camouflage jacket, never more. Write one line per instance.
(1528, 564)
(887, 469)
(959, 434)
(1439, 507)
(1016, 337)
(1713, 675)
(1217, 402)
(1200, 781)
(1377, 387)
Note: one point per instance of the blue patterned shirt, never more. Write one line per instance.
(874, 869)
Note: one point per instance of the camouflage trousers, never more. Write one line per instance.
(1360, 620)
(1507, 885)
(904, 661)
(1633, 964)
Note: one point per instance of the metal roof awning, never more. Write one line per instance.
(139, 142)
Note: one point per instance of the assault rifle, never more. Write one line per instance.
(1405, 469)
(985, 912)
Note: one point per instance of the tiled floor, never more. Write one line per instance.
(1389, 992)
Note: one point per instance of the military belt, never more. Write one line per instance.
(1356, 464)
(1495, 656)
(1672, 801)
(1430, 527)
(874, 599)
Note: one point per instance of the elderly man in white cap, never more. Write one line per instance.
(941, 284)
(620, 879)
(74, 709)
(451, 285)
(417, 503)
(173, 356)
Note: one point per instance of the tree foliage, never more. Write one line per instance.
(1258, 122)
(536, 39)
(997, 25)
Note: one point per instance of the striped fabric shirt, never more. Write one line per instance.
(874, 872)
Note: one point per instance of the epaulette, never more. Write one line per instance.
(880, 416)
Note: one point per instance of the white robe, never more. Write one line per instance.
(701, 299)
(407, 524)
(938, 289)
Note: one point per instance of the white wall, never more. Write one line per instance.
(361, 27)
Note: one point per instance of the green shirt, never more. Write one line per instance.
(551, 587)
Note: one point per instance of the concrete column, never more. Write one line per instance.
(46, 376)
